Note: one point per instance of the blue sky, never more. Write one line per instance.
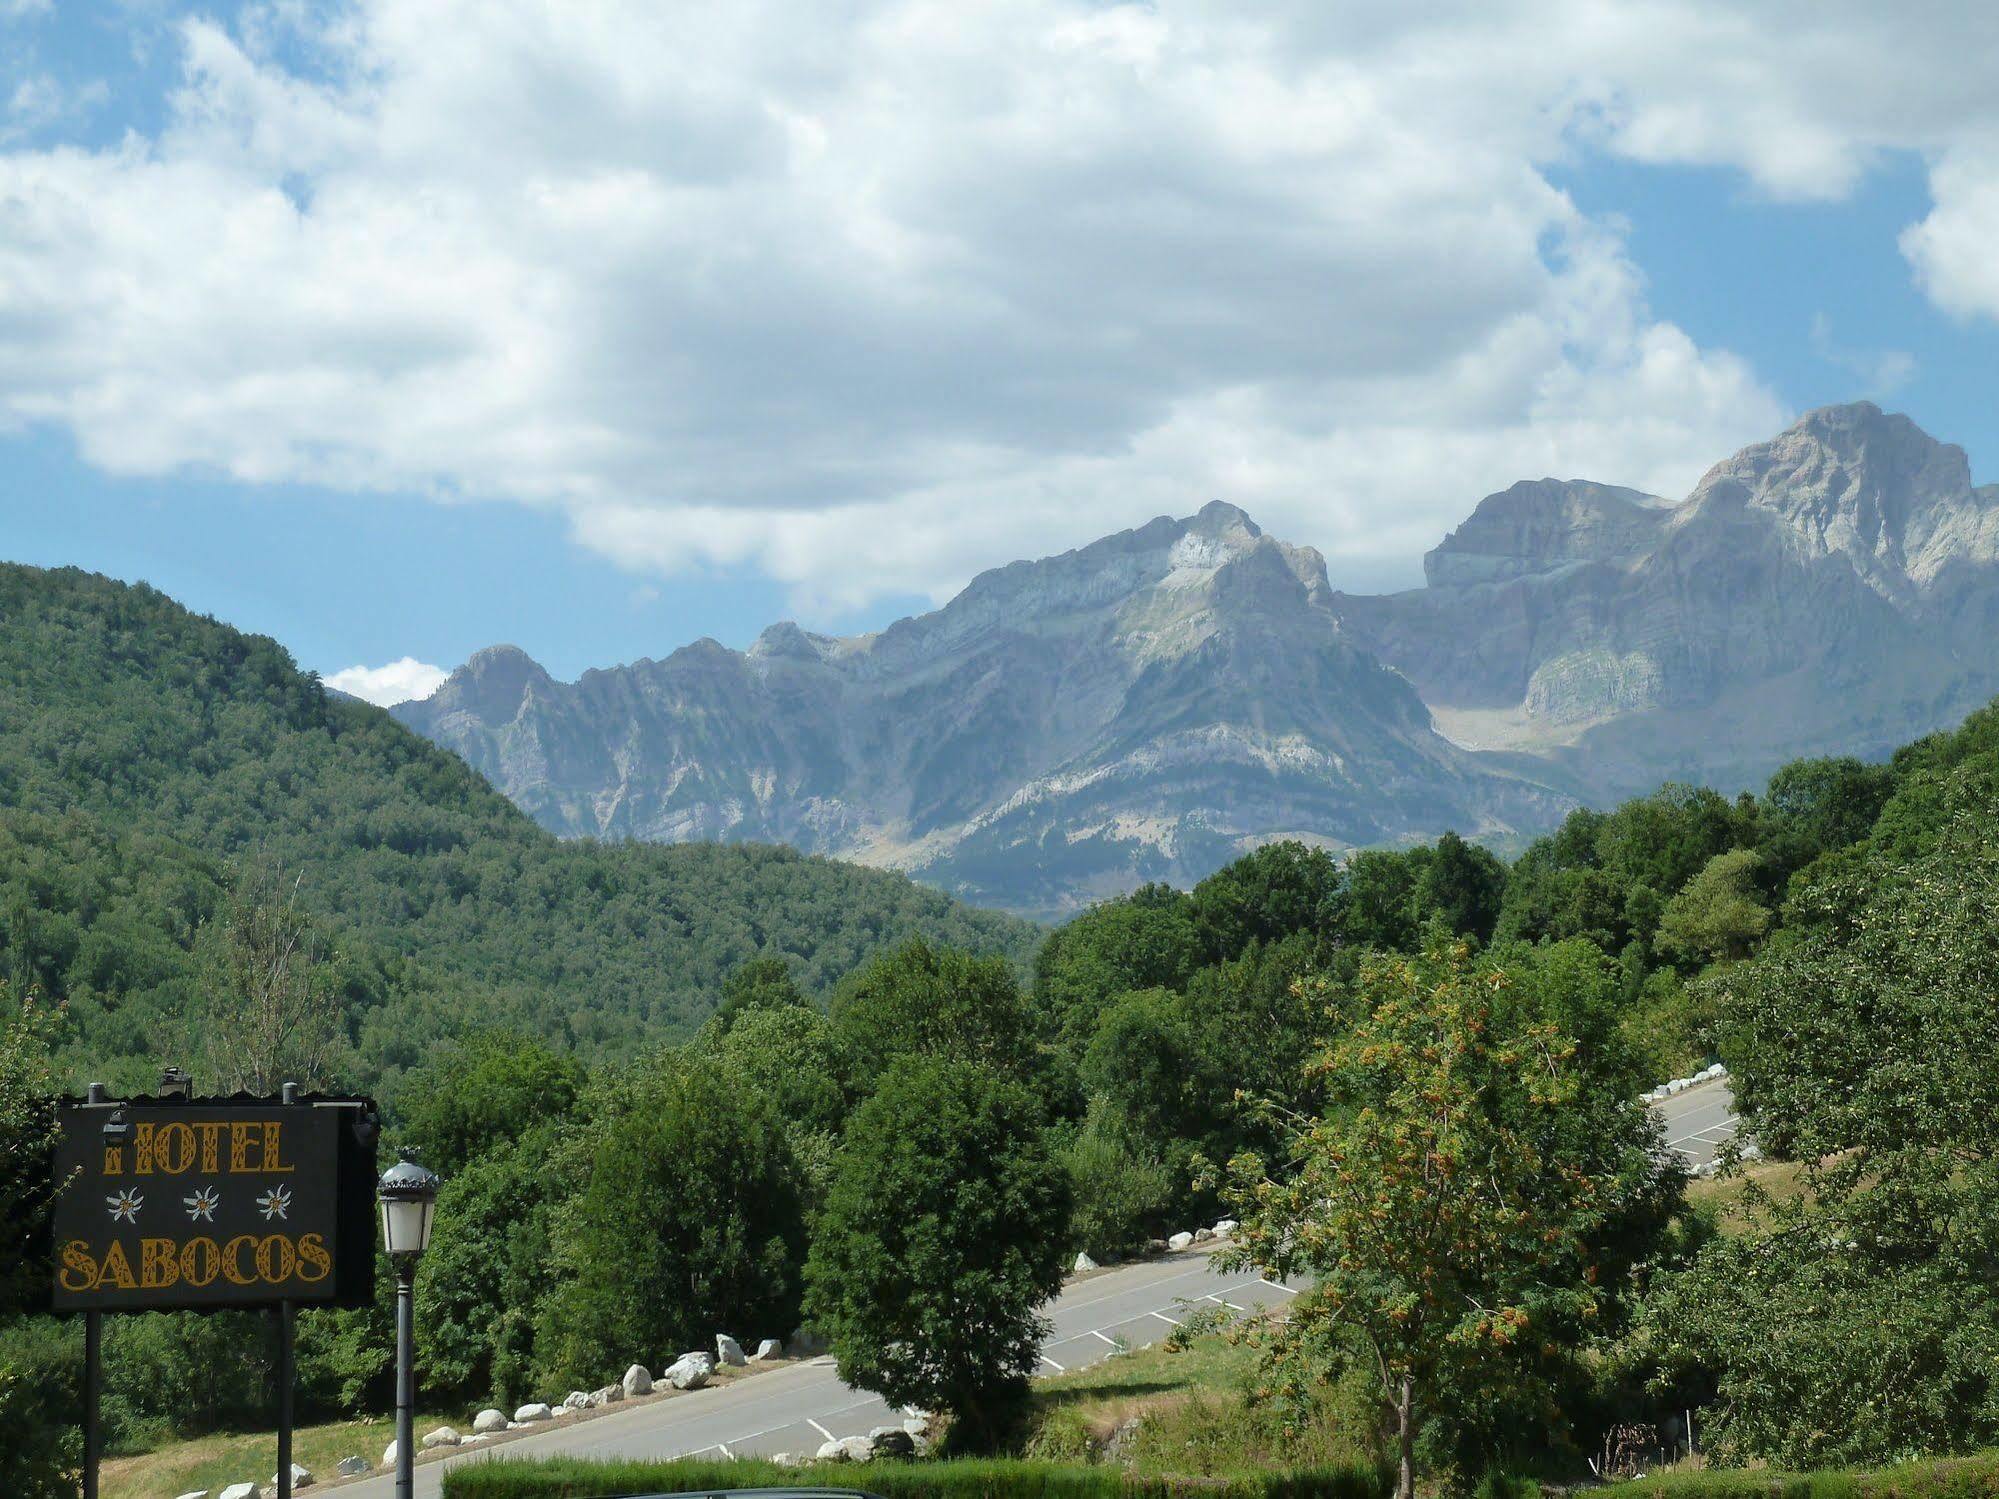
(396, 330)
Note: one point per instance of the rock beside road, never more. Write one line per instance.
(609, 1395)
(1083, 1262)
(891, 1441)
(729, 1351)
(352, 1467)
(637, 1380)
(690, 1371)
(847, 1450)
(769, 1348)
(1180, 1241)
(534, 1411)
(489, 1420)
(443, 1436)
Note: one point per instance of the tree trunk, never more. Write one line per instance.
(1405, 1436)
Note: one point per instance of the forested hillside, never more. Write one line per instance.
(149, 758)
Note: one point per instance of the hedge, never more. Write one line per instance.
(1937, 1478)
(575, 1478)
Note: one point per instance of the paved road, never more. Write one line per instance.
(1700, 1120)
(794, 1409)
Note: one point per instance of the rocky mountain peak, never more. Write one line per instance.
(492, 684)
(1541, 525)
(1871, 485)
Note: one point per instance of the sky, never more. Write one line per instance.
(399, 328)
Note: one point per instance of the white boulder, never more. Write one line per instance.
(1226, 1228)
(611, 1394)
(637, 1380)
(1083, 1262)
(1204, 1236)
(689, 1372)
(443, 1436)
(891, 1441)
(729, 1351)
(576, 1400)
(538, 1410)
(196, 1494)
(352, 1467)
(1180, 1241)
(769, 1348)
(787, 1460)
(847, 1450)
(389, 1456)
(239, 1491)
(301, 1479)
(489, 1420)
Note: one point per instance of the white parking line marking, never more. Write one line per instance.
(1102, 1339)
(1276, 1287)
(820, 1429)
(1164, 1318)
(1218, 1301)
(1058, 1368)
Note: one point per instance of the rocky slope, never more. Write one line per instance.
(1831, 591)
(1149, 706)
(1144, 708)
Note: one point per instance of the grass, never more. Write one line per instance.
(1723, 1194)
(221, 1458)
(239, 1457)
(1159, 1412)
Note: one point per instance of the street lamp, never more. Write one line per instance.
(408, 1194)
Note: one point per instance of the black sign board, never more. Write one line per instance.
(206, 1203)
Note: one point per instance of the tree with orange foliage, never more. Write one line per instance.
(1456, 1198)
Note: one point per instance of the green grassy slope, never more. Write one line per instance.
(145, 751)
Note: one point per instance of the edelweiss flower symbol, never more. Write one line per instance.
(274, 1202)
(203, 1204)
(125, 1205)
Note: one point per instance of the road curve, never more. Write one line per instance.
(795, 1408)
(798, 1406)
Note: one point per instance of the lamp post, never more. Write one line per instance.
(408, 1194)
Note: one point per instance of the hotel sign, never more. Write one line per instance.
(208, 1203)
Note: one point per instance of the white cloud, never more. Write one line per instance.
(400, 681)
(871, 296)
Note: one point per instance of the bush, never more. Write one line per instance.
(570, 1478)
(687, 1221)
(1122, 1192)
(941, 1239)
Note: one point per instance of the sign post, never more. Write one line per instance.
(177, 1203)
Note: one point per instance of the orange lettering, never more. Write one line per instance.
(116, 1268)
(232, 1270)
(174, 1148)
(79, 1270)
(159, 1264)
(313, 1261)
(142, 1149)
(200, 1261)
(114, 1161)
(240, 1136)
(276, 1267)
(271, 1161)
(210, 1131)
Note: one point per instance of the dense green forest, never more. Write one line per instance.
(149, 757)
(1413, 1075)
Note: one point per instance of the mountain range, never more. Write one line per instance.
(1153, 704)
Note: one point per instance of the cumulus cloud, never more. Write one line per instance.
(868, 297)
(401, 681)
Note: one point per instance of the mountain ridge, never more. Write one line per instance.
(1151, 704)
